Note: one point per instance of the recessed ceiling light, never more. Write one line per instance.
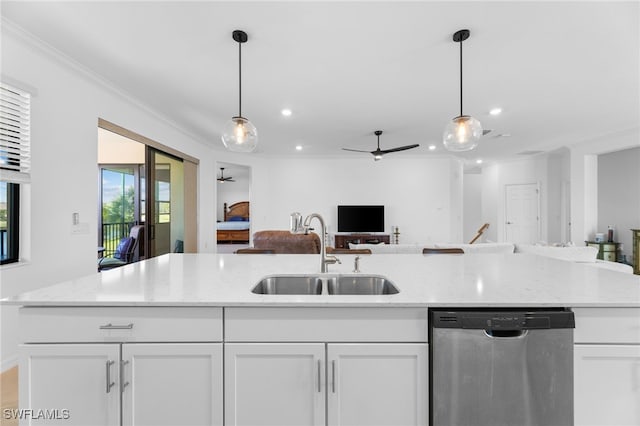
(286, 112)
(432, 147)
(495, 111)
(298, 147)
(478, 161)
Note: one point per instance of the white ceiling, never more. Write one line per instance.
(563, 72)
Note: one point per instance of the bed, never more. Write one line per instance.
(235, 227)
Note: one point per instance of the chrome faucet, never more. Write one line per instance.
(356, 265)
(297, 229)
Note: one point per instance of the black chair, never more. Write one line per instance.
(126, 251)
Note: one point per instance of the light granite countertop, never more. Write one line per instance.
(478, 280)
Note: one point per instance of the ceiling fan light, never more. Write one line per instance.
(462, 134)
(377, 157)
(240, 135)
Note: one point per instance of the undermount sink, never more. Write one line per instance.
(289, 284)
(329, 284)
(361, 284)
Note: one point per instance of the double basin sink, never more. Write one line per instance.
(325, 284)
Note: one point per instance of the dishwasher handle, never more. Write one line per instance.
(505, 334)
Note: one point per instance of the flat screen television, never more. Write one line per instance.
(360, 218)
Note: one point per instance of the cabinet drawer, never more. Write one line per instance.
(607, 325)
(326, 325)
(120, 324)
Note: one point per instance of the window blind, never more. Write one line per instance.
(15, 112)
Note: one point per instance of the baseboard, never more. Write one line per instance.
(9, 363)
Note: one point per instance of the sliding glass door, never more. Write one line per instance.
(119, 202)
(164, 203)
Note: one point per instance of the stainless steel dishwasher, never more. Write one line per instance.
(501, 367)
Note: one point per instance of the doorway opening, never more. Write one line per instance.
(142, 184)
(233, 221)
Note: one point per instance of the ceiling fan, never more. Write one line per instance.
(223, 179)
(378, 153)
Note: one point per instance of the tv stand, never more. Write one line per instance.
(343, 240)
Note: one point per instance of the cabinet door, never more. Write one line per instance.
(607, 384)
(72, 384)
(172, 384)
(377, 384)
(274, 384)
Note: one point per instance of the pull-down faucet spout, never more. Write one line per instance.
(295, 228)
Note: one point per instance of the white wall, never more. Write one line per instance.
(416, 193)
(558, 175)
(66, 105)
(472, 211)
(584, 178)
(619, 195)
(530, 170)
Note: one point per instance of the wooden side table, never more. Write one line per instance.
(636, 251)
(606, 251)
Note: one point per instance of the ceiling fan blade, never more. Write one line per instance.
(354, 150)
(486, 131)
(400, 148)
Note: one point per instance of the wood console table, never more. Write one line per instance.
(343, 240)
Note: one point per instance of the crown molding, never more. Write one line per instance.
(14, 30)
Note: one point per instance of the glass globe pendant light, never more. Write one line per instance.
(463, 132)
(239, 135)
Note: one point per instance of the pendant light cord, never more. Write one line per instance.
(460, 78)
(239, 79)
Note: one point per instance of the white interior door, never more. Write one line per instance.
(522, 213)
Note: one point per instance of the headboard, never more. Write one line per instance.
(241, 208)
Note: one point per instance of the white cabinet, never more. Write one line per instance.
(153, 366)
(172, 384)
(296, 366)
(607, 366)
(607, 385)
(377, 384)
(70, 384)
(362, 384)
(274, 384)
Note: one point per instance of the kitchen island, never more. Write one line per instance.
(142, 342)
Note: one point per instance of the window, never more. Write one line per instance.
(15, 108)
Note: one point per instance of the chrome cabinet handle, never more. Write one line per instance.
(123, 384)
(319, 375)
(110, 384)
(333, 376)
(116, 327)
